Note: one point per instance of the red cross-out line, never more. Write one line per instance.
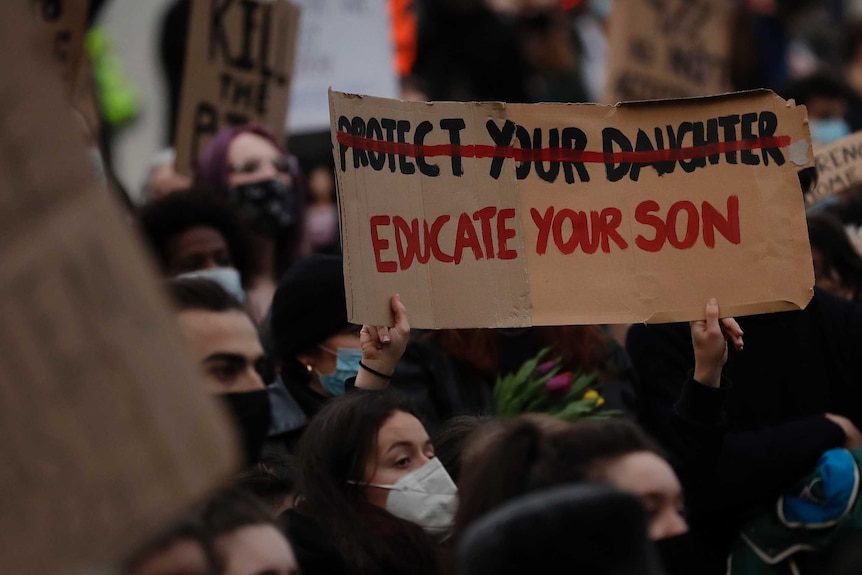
(560, 154)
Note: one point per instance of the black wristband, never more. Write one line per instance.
(374, 371)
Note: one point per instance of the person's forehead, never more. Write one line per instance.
(185, 557)
(211, 332)
(259, 548)
(399, 427)
(643, 472)
(198, 238)
(250, 146)
(822, 106)
(344, 340)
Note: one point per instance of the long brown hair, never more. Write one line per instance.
(333, 453)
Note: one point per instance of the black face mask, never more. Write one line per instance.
(268, 207)
(251, 413)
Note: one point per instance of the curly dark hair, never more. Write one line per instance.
(167, 217)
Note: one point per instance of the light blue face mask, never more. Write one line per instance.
(828, 130)
(346, 366)
(228, 278)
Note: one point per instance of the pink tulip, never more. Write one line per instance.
(560, 384)
(546, 367)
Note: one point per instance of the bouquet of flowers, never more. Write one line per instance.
(541, 385)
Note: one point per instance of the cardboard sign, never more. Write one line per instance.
(668, 49)
(239, 65)
(493, 215)
(66, 21)
(839, 168)
(327, 55)
(106, 429)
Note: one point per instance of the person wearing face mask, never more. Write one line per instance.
(314, 347)
(373, 498)
(223, 341)
(196, 235)
(832, 106)
(249, 167)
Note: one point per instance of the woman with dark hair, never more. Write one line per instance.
(248, 166)
(372, 497)
(837, 264)
(532, 454)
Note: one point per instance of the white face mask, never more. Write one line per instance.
(426, 496)
(228, 278)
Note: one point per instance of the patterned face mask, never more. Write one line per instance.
(268, 207)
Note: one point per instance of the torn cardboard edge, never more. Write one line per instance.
(732, 310)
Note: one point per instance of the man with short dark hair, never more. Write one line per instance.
(221, 335)
(224, 343)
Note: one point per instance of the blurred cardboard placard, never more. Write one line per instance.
(238, 69)
(107, 430)
(659, 49)
(327, 56)
(66, 22)
(499, 215)
(839, 168)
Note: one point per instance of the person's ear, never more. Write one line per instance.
(308, 360)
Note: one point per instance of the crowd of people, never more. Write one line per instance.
(715, 446)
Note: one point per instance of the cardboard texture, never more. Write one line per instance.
(66, 24)
(839, 168)
(668, 49)
(239, 66)
(501, 215)
(106, 428)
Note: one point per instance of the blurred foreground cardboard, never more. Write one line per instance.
(106, 430)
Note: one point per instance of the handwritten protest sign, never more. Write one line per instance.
(239, 65)
(839, 168)
(106, 430)
(66, 21)
(492, 214)
(668, 49)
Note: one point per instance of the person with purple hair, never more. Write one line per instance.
(247, 165)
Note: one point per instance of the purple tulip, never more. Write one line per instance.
(560, 384)
(546, 367)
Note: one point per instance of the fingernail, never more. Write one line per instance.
(385, 339)
(713, 301)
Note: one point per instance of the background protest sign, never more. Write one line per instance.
(839, 167)
(327, 55)
(493, 215)
(668, 49)
(239, 65)
(66, 21)
(106, 429)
